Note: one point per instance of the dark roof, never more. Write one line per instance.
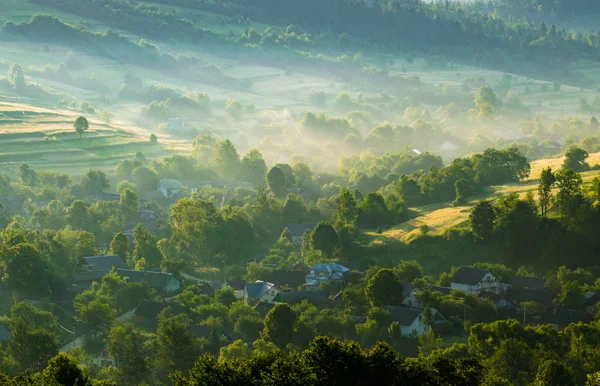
(97, 263)
(264, 308)
(89, 275)
(237, 285)
(404, 315)
(469, 275)
(329, 268)
(154, 279)
(318, 298)
(298, 230)
(542, 296)
(151, 310)
(526, 282)
(289, 278)
(564, 316)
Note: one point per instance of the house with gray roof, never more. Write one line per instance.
(297, 231)
(261, 291)
(472, 280)
(169, 187)
(98, 263)
(324, 272)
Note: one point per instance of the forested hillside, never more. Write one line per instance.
(261, 192)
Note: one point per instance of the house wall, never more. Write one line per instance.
(416, 326)
(462, 287)
(411, 298)
(269, 295)
(488, 283)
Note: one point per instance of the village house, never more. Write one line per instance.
(297, 231)
(169, 188)
(411, 319)
(324, 272)
(261, 291)
(473, 280)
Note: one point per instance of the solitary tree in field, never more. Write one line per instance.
(81, 125)
(575, 160)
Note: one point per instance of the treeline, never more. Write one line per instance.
(451, 30)
(540, 9)
(110, 44)
(464, 177)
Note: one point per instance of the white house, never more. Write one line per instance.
(324, 272)
(169, 187)
(473, 280)
(412, 320)
(260, 292)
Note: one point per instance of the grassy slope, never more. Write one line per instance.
(23, 129)
(437, 254)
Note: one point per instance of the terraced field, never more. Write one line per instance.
(45, 139)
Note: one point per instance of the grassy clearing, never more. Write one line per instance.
(45, 139)
(440, 217)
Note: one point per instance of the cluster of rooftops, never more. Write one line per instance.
(303, 282)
